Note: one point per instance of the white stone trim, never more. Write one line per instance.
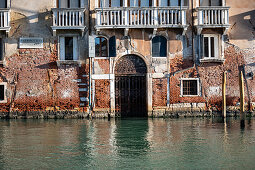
(216, 46)
(198, 87)
(103, 77)
(5, 92)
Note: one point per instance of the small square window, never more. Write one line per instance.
(3, 92)
(190, 87)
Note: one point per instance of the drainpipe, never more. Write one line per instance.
(193, 49)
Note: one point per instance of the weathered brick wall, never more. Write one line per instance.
(102, 94)
(159, 97)
(36, 83)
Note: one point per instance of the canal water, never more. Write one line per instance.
(199, 143)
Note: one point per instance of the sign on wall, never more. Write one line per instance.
(31, 43)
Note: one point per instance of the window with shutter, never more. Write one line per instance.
(1, 49)
(210, 2)
(210, 46)
(68, 48)
(112, 47)
(69, 3)
(3, 3)
(159, 46)
(101, 47)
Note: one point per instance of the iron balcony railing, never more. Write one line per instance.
(68, 18)
(141, 17)
(213, 16)
(4, 19)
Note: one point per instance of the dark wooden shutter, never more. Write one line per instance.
(1, 49)
(155, 47)
(201, 46)
(112, 46)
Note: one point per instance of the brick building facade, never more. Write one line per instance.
(125, 57)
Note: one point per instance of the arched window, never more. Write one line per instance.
(101, 47)
(69, 3)
(3, 3)
(159, 46)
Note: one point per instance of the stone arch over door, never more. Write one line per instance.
(130, 86)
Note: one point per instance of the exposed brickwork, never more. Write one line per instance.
(159, 97)
(36, 83)
(103, 65)
(102, 94)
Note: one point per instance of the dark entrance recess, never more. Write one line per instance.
(130, 87)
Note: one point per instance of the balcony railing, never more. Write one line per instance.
(68, 18)
(213, 16)
(134, 17)
(4, 19)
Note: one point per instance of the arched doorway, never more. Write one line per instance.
(130, 86)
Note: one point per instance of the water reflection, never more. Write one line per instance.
(127, 143)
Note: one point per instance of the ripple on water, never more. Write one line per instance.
(127, 144)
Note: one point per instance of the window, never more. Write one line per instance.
(190, 87)
(159, 46)
(68, 48)
(3, 3)
(210, 46)
(101, 47)
(1, 49)
(3, 98)
(210, 2)
(69, 4)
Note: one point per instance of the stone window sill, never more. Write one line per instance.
(212, 60)
(2, 63)
(69, 62)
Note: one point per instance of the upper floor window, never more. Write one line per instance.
(210, 46)
(69, 4)
(159, 46)
(68, 48)
(101, 47)
(1, 49)
(210, 2)
(3, 3)
(120, 3)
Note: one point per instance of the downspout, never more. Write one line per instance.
(193, 49)
(89, 32)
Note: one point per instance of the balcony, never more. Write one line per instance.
(68, 19)
(140, 17)
(4, 19)
(213, 17)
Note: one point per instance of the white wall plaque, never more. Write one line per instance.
(31, 43)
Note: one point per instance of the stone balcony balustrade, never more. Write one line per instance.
(213, 17)
(141, 17)
(68, 19)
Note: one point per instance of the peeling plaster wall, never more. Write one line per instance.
(34, 80)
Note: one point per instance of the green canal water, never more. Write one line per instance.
(199, 143)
